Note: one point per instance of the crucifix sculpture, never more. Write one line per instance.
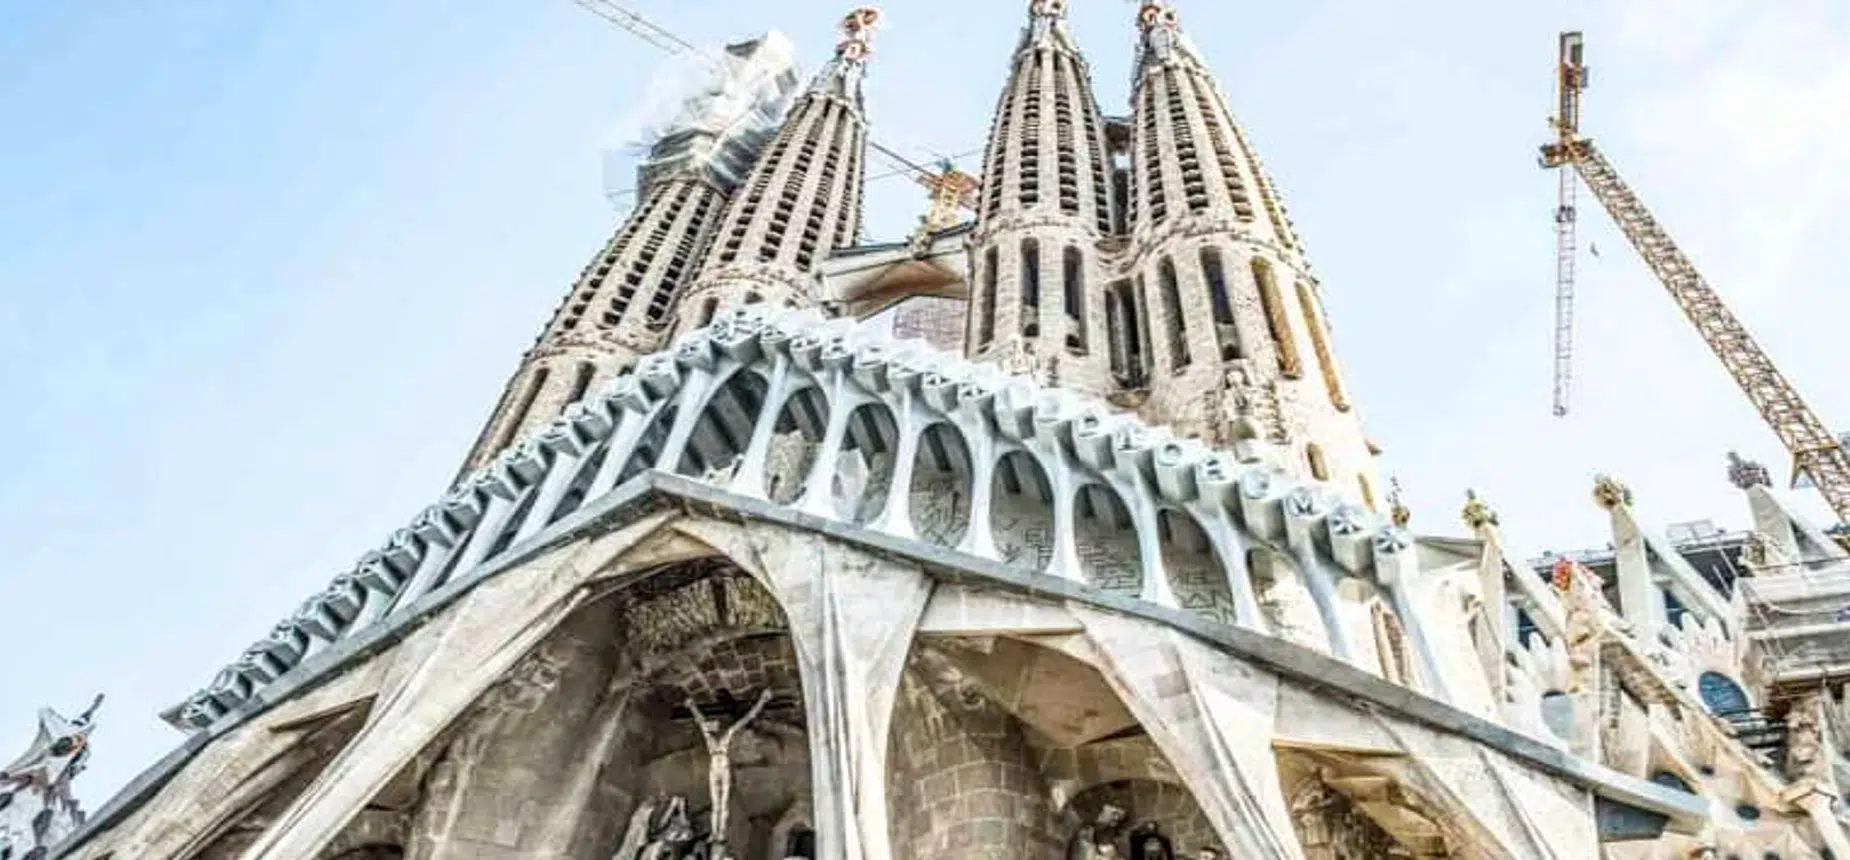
(719, 760)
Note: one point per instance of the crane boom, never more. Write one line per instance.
(1815, 453)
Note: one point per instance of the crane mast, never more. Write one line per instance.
(1815, 453)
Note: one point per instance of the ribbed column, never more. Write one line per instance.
(618, 310)
(1239, 346)
(1038, 283)
(802, 199)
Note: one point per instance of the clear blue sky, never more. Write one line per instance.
(264, 267)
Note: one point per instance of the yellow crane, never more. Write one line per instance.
(1815, 453)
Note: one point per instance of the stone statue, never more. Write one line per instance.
(1095, 841)
(1805, 741)
(719, 760)
(670, 836)
(639, 830)
(1148, 843)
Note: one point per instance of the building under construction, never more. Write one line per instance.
(1051, 531)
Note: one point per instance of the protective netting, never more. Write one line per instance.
(710, 112)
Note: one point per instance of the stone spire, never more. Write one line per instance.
(802, 199)
(1240, 348)
(623, 302)
(1039, 290)
(37, 809)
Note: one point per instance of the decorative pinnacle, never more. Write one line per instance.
(1747, 474)
(1610, 493)
(1397, 508)
(1476, 514)
(1157, 13)
(858, 30)
(1047, 8)
(1564, 573)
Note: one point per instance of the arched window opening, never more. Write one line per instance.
(1197, 577)
(1072, 271)
(863, 474)
(519, 415)
(1109, 555)
(581, 381)
(986, 315)
(1721, 695)
(707, 311)
(1368, 491)
(1391, 646)
(942, 486)
(1313, 456)
(752, 297)
(1277, 323)
(1021, 511)
(1320, 343)
(796, 439)
(1558, 714)
(1225, 332)
(1030, 288)
(1172, 309)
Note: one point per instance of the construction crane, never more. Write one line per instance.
(1815, 452)
(947, 186)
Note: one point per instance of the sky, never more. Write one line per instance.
(264, 267)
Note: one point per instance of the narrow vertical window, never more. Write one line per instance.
(1073, 274)
(1368, 491)
(519, 415)
(1320, 342)
(1319, 468)
(1030, 288)
(1283, 344)
(708, 310)
(1172, 311)
(1115, 350)
(1226, 333)
(581, 381)
(986, 313)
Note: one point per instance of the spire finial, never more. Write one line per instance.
(1397, 507)
(1047, 8)
(1747, 474)
(1476, 514)
(1158, 15)
(858, 34)
(1609, 493)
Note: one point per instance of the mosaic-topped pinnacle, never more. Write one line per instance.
(1609, 493)
(858, 32)
(1476, 514)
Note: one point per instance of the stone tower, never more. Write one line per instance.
(803, 198)
(1238, 348)
(1037, 282)
(623, 303)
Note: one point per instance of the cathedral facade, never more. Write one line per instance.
(1054, 534)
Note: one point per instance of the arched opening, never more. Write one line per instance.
(1044, 744)
(864, 468)
(795, 439)
(724, 430)
(1276, 322)
(1285, 600)
(1109, 558)
(986, 313)
(1318, 327)
(1225, 330)
(1391, 645)
(1172, 313)
(1721, 695)
(1021, 511)
(1558, 714)
(941, 486)
(1196, 575)
(1073, 282)
(1313, 457)
(1030, 288)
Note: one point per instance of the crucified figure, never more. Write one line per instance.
(719, 760)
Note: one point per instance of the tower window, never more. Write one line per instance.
(1072, 269)
(1320, 342)
(1226, 333)
(1172, 310)
(1124, 331)
(986, 314)
(1030, 288)
(1319, 469)
(519, 415)
(581, 381)
(1283, 344)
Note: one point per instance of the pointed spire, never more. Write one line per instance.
(844, 74)
(37, 809)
